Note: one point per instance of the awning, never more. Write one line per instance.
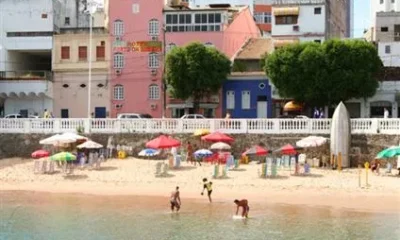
(292, 106)
(281, 43)
(287, 11)
(190, 105)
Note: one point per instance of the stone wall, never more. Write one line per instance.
(363, 147)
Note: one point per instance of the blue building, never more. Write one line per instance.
(247, 93)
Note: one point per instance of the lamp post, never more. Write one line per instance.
(89, 112)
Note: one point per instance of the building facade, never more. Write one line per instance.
(263, 16)
(71, 54)
(387, 36)
(26, 40)
(136, 76)
(313, 20)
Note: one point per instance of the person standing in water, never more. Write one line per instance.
(175, 200)
(207, 185)
(245, 205)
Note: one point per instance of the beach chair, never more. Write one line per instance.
(158, 169)
(51, 167)
(82, 162)
(306, 168)
(70, 168)
(302, 158)
(237, 164)
(279, 162)
(44, 167)
(178, 159)
(389, 167)
(224, 172)
(98, 163)
(263, 170)
(36, 167)
(274, 170)
(216, 171)
(165, 170)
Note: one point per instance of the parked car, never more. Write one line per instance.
(133, 126)
(133, 116)
(192, 116)
(17, 115)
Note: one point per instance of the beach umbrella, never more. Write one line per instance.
(74, 136)
(201, 132)
(58, 139)
(311, 141)
(203, 153)
(90, 145)
(220, 146)
(148, 152)
(63, 156)
(217, 137)
(288, 150)
(256, 150)
(389, 152)
(40, 154)
(163, 142)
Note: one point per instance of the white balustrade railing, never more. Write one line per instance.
(158, 125)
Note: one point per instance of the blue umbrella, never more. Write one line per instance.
(203, 153)
(148, 152)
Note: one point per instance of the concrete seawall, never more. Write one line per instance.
(363, 147)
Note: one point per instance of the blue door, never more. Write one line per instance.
(100, 112)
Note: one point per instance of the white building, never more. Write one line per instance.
(309, 20)
(26, 30)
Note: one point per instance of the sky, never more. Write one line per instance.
(361, 16)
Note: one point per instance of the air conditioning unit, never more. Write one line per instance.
(118, 38)
(154, 38)
(118, 106)
(118, 71)
(296, 28)
(153, 72)
(153, 106)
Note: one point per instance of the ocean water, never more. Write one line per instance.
(26, 215)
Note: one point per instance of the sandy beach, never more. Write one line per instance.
(322, 188)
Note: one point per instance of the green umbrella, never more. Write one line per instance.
(63, 156)
(389, 152)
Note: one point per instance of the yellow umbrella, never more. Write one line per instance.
(292, 106)
(201, 132)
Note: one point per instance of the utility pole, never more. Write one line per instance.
(163, 80)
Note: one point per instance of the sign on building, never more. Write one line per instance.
(139, 46)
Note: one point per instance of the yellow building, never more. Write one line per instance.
(71, 51)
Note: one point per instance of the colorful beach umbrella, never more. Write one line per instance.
(311, 141)
(203, 153)
(148, 152)
(256, 150)
(220, 146)
(63, 156)
(288, 149)
(40, 154)
(217, 137)
(163, 142)
(389, 152)
(90, 145)
(201, 132)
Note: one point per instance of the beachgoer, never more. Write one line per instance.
(207, 185)
(245, 205)
(385, 113)
(175, 200)
(189, 149)
(46, 114)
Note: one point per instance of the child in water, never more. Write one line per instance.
(207, 185)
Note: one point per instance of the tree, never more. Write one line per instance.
(196, 71)
(325, 74)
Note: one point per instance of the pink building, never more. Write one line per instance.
(136, 78)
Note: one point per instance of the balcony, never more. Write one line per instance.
(24, 84)
(171, 126)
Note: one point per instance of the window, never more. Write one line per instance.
(262, 17)
(154, 92)
(393, 1)
(387, 49)
(118, 92)
(65, 52)
(384, 29)
(118, 28)
(44, 15)
(153, 27)
(135, 8)
(153, 60)
(208, 44)
(397, 32)
(170, 46)
(189, 22)
(82, 53)
(317, 11)
(100, 52)
(66, 21)
(230, 100)
(280, 20)
(245, 99)
(119, 60)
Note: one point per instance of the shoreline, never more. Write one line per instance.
(135, 177)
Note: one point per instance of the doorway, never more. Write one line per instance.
(262, 107)
(64, 113)
(100, 112)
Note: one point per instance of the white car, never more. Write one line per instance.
(17, 115)
(192, 116)
(133, 116)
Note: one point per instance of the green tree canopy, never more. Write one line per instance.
(196, 71)
(325, 74)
